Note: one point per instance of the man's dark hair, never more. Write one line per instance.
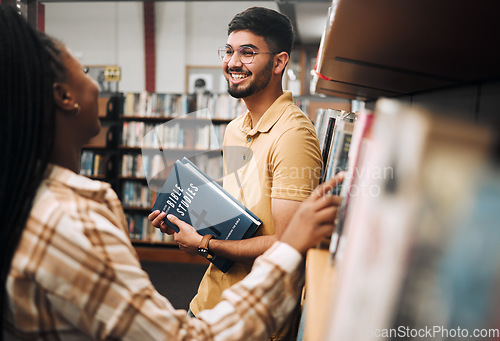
(274, 27)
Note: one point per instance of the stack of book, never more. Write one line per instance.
(141, 230)
(203, 105)
(144, 104)
(335, 130)
(135, 194)
(421, 229)
(178, 133)
(93, 163)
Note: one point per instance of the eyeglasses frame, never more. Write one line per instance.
(222, 48)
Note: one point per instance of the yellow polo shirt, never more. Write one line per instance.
(279, 158)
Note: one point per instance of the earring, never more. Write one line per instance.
(76, 108)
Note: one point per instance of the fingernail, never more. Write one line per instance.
(170, 217)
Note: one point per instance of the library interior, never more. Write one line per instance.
(404, 98)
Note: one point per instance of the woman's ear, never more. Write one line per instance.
(63, 98)
(281, 62)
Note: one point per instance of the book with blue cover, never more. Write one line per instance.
(195, 198)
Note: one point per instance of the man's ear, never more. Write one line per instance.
(63, 98)
(281, 61)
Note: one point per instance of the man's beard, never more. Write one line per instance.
(261, 81)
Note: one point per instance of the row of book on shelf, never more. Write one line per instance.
(201, 105)
(152, 166)
(144, 165)
(139, 194)
(141, 230)
(418, 220)
(175, 134)
(93, 163)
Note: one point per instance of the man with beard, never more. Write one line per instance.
(272, 159)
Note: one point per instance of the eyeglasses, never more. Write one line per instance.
(246, 54)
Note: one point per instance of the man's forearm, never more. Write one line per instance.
(245, 250)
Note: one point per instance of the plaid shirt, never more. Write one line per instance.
(75, 275)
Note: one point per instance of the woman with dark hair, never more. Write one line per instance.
(27, 73)
(68, 268)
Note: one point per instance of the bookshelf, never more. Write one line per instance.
(166, 252)
(426, 57)
(142, 136)
(311, 105)
(392, 48)
(99, 157)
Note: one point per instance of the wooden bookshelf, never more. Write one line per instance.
(107, 145)
(430, 53)
(166, 253)
(319, 288)
(381, 48)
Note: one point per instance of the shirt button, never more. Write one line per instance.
(249, 139)
(244, 157)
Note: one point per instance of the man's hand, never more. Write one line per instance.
(156, 219)
(315, 217)
(187, 238)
